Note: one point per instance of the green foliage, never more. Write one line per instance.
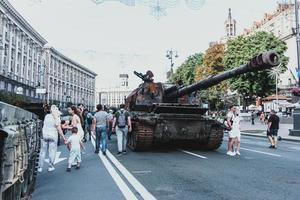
(240, 50)
(212, 65)
(11, 98)
(186, 71)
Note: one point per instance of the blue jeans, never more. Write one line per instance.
(101, 137)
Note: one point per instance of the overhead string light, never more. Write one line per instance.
(158, 7)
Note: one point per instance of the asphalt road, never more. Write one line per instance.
(259, 173)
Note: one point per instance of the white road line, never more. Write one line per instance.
(270, 154)
(128, 194)
(191, 153)
(130, 178)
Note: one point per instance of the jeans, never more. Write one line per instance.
(48, 144)
(87, 131)
(101, 137)
(122, 138)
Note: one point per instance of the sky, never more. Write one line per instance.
(112, 38)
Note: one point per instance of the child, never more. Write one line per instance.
(74, 143)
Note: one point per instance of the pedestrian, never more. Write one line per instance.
(252, 117)
(100, 127)
(88, 125)
(74, 145)
(273, 126)
(50, 131)
(76, 120)
(83, 113)
(110, 120)
(122, 125)
(262, 117)
(233, 123)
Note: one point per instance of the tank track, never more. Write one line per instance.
(214, 141)
(141, 137)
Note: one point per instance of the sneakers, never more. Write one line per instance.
(104, 153)
(238, 153)
(51, 168)
(124, 152)
(272, 147)
(78, 167)
(230, 153)
(119, 153)
(68, 169)
(96, 151)
(40, 169)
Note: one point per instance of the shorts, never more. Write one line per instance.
(272, 132)
(75, 155)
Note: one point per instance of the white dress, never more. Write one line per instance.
(235, 131)
(79, 127)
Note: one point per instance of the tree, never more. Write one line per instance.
(186, 71)
(212, 65)
(240, 50)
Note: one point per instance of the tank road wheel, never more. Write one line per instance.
(13, 192)
(141, 137)
(215, 140)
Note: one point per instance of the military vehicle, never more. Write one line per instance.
(165, 113)
(19, 150)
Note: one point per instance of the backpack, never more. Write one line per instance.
(122, 119)
(89, 118)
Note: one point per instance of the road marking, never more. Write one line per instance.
(140, 172)
(57, 158)
(191, 153)
(128, 194)
(130, 178)
(270, 154)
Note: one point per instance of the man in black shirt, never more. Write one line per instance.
(273, 126)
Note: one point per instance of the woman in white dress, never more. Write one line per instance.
(76, 120)
(49, 137)
(234, 134)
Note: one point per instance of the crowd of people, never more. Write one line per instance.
(234, 134)
(82, 124)
(78, 128)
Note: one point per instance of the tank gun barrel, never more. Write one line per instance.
(260, 62)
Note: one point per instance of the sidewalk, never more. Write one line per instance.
(259, 130)
(90, 181)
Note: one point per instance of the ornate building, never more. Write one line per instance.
(230, 26)
(21, 54)
(68, 81)
(281, 23)
(28, 64)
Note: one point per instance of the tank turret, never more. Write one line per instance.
(150, 93)
(166, 113)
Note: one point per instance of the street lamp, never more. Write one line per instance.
(68, 98)
(296, 31)
(171, 55)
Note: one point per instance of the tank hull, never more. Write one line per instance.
(19, 150)
(176, 129)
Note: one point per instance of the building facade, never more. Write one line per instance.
(113, 97)
(21, 54)
(27, 65)
(68, 81)
(281, 23)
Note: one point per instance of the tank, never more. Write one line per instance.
(19, 150)
(165, 113)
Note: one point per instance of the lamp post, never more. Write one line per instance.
(171, 55)
(296, 31)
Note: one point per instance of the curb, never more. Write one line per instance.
(263, 136)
